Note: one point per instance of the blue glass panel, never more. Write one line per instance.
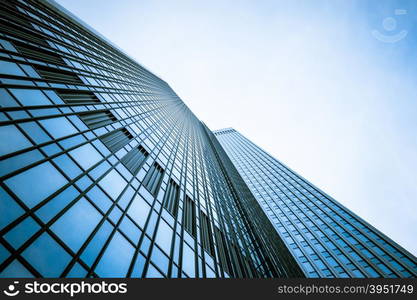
(99, 198)
(130, 229)
(30, 97)
(15, 140)
(160, 259)
(36, 184)
(138, 267)
(95, 245)
(30, 71)
(8, 46)
(35, 132)
(58, 127)
(79, 124)
(72, 141)
(81, 218)
(146, 243)
(164, 236)
(116, 259)
(9, 209)
(55, 205)
(47, 256)
(3, 254)
(153, 273)
(51, 149)
(10, 68)
(15, 270)
(139, 210)
(77, 271)
(100, 170)
(115, 214)
(125, 199)
(6, 100)
(84, 182)
(86, 156)
(188, 261)
(113, 184)
(22, 232)
(54, 97)
(68, 166)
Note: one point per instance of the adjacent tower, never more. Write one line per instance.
(325, 238)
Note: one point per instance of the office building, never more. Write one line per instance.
(105, 172)
(325, 238)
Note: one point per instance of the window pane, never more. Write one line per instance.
(15, 270)
(36, 184)
(113, 184)
(47, 256)
(15, 140)
(6, 100)
(58, 127)
(139, 211)
(55, 205)
(81, 219)
(95, 245)
(9, 209)
(10, 68)
(116, 260)
(35, 132)
(164, 237)
(86, 156)
(30, 97)
(68, 166)
(22, 232)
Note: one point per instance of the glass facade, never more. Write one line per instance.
(105, 172)
(325, 238)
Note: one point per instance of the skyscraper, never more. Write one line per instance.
(105, 172)
(325, 238)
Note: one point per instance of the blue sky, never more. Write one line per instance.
(312, 82)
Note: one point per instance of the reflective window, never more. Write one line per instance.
(139, 264)
(3, 254)
(55, 205)
(160, 259)
(6, 100)
(99, 198)
(77, 271)
(81, 219)
(47, 256)
(164, 236)
(188, 264)
(15, 270)
(58, 127)
(22, 232)
(113, 184)
(36, 184)
(68, 166)
(116, 260)
(86, 156)
(9, 209)
(35, 132)
(95, 245)
(153, 272)
(10, 68)
(19, 161)
(15, 140)
(30, 97)
(130, 229)
(139, 210)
